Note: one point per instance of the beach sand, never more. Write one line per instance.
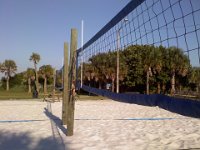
(98, 125)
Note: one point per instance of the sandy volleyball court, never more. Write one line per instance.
(99, 125)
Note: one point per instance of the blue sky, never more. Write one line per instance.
(42, 26)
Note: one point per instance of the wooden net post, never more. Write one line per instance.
(72, 76)
(65, 86)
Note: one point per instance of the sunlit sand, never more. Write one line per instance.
(99, 125)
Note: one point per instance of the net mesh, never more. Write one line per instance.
(149, 22)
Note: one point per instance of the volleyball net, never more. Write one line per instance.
(150, 46)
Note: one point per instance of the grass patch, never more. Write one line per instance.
(13, 95)
(17, 92)
(8, 95)
(21, 94)
(87, 97)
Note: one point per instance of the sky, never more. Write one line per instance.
(42, 26)
(158, 22)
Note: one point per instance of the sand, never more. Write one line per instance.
(99, 125)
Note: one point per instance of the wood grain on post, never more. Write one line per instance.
(65, 86)
(71, 105)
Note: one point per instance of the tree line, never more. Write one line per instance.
(143, 68)
(32, 78)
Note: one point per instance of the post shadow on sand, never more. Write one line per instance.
(56, 120)
(24, 141)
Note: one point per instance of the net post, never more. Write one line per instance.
(65, 86)
(72, 76)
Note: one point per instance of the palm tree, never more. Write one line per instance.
(87, 70)
(157, 66)
(147, 58)
(8, 67)
(35, 58)
(29, 75)
(179, 64)
(104, 67)
(134, 66)
(98, 66)
(194, 77)
(46, 71)
(110, 68)
(160, 70)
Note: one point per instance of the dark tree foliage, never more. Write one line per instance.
(143, 68)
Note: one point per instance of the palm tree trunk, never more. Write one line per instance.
(113, 84)
(100, 84)
(29, 85)
(45, 85)
(36, 77)
(88, 83)
(7, 83)
(197, 88)
(147, 83)
(173, 84)
(158, 88)
(54, 83)
(180, 88)
(163, 88)
(88, 78)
